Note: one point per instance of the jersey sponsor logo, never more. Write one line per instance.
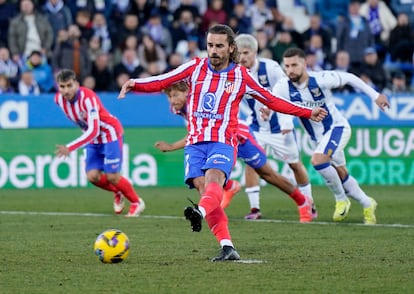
(209, 101)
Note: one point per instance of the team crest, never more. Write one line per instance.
(263, 80)
(316, 92)
(228, 87)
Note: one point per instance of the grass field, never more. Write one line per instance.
(46, 240)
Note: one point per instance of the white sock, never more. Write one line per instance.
(202, 210)
(352, 189)
(332, 180)
(226, 242)
(306, 190)
(253, 193)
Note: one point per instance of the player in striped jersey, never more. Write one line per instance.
(273, 130)
(332, 134)
(248, 150)
(217, 85)
(102, 138)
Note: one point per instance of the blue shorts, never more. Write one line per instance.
(104, 157)
(252, 154)
(206, 155)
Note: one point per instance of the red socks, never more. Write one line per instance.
(298, 197)
(211, 198)
(124, 186)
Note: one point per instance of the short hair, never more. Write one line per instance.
(65, 75)
(221, 29)
(247, 41)
(180, 86)
(294, 51)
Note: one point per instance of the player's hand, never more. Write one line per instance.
(265, 113)
(62, 150)
(163, 146)
(318, 114)
(126, 87)
(382, 102)
(286, 131)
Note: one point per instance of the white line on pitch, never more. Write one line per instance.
(5, 212)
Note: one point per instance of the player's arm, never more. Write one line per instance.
(348, 78)
(159, 82)
(88, 135)
(282, 105)
(165, 147)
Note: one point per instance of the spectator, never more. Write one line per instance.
(380, 19)
(71, 53)
(182, 28)
(311, 60)
(402, 40)
(102, 73)
(29, 31)
(239, 21)
(121, 79)
(342, 63)
(189, 5)
(84, 23)
(189, 49)
(175, 59)
(289, 25)
(27, 84)
(8, 67)
(41, 70)
(5, 86)
(316, 28)
(101, 29)
(263, 41)
(129, 64)
(166, 15)
(160, 34)
(398, 84)
(372, 68)
(59, 16)
(94, 6)
(215, 14)
(130, 42)
(7, 12)
(354, 34)
(142, 9)
(259, 13)
(404, 6)
(149, 51)
(283, 41)
(89, 82)
(94, 47)
(130, 26)
(322, 58)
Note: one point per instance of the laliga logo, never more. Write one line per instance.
(14, 115)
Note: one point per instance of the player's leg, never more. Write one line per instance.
(94, 167)
(253, 193)
(333, 141)
(112, 169)
(217, 161)
(353, 190)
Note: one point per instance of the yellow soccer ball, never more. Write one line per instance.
(112, 246)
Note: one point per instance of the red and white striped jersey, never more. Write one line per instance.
(214, 97)
(88, 112)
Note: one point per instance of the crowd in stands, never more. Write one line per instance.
(106, 42)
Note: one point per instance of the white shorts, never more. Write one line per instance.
(283, 147)
(333, 143)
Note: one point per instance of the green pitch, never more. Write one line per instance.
(46, 241)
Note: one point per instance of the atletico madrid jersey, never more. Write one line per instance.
(214, 97)
(88, 112)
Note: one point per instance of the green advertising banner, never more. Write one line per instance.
(383, 156)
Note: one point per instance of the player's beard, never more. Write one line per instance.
(216, 61)
(295, 78)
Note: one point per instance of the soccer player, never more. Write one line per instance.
(102, 138)
(271, 129)
(248, 150)
(217, 85)
(332, 134)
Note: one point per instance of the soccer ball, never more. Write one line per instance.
(111, 246)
